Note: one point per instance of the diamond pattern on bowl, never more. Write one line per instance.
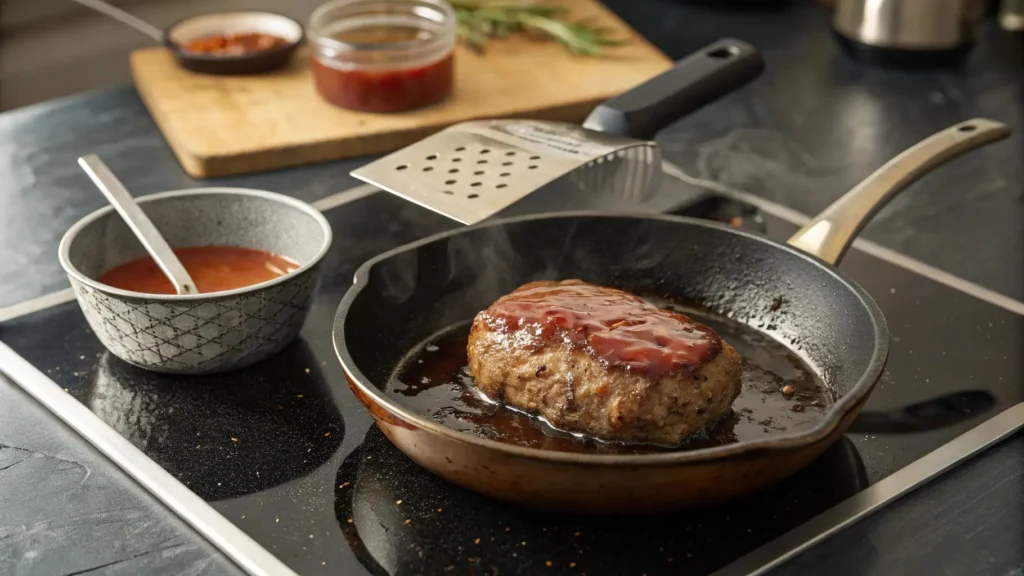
(201, 336)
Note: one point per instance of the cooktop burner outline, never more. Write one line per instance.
(211, 519)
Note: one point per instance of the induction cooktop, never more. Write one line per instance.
(285, 452)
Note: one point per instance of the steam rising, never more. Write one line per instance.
(398, 276)
(449, 281)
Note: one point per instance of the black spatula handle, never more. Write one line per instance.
(694, 81)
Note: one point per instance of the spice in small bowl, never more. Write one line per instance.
(244, 42)
(383, 55)
(234, 44)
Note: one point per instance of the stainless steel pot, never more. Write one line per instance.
(907, 32)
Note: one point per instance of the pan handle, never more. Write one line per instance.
(698, 79)
(829, 234)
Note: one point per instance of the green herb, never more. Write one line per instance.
(480, 20)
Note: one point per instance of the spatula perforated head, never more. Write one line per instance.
(474, 170)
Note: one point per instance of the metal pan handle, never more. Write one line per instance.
(698, 79)
(830, 233)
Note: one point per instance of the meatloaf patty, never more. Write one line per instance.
(603, 362)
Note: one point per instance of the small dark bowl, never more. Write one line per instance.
(205, 25)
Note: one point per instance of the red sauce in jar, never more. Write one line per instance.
(213, 269)
(233, 44)
(370, 84)
(618, 328)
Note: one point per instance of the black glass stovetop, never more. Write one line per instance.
(285, 451)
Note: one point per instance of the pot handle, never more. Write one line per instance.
(830, 233)
(694, 81)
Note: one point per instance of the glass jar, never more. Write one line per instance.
(382, 55)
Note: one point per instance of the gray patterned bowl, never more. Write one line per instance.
(199, 333)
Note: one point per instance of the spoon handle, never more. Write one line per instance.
(124, 18)
(140, 224)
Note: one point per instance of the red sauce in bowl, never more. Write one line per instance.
(213, 268)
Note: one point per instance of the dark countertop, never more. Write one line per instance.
(816, 123)
(44, 191)
(969, 522)
(805, 132)
(65, 509)
(809, 129)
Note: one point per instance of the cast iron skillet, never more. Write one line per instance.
(405, 296)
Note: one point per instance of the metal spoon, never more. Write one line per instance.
(140, 224)
(125, 18)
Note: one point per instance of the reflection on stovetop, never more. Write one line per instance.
(307, 458)
(223, 436)
(400, 519)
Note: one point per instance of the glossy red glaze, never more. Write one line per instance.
(616, 327)
(212, 268)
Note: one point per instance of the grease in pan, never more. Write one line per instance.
(435, 380)
(602, 362)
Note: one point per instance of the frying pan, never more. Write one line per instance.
(405, 296)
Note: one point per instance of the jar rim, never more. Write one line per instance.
(448, 21)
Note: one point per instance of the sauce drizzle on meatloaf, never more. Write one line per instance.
(617, 328)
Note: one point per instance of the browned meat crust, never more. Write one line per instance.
(603, 362)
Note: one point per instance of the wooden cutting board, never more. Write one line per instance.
(220, 125)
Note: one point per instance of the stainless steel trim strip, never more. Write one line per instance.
(36, 304)
(876, 250)
(67, 295)
(233, 542)
(345, 196)
(777, 210)
(859, 506)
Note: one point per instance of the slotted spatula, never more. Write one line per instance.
(474, 170)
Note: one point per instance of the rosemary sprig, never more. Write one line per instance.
(480, 20)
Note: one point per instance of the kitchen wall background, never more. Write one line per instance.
(54, 48)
